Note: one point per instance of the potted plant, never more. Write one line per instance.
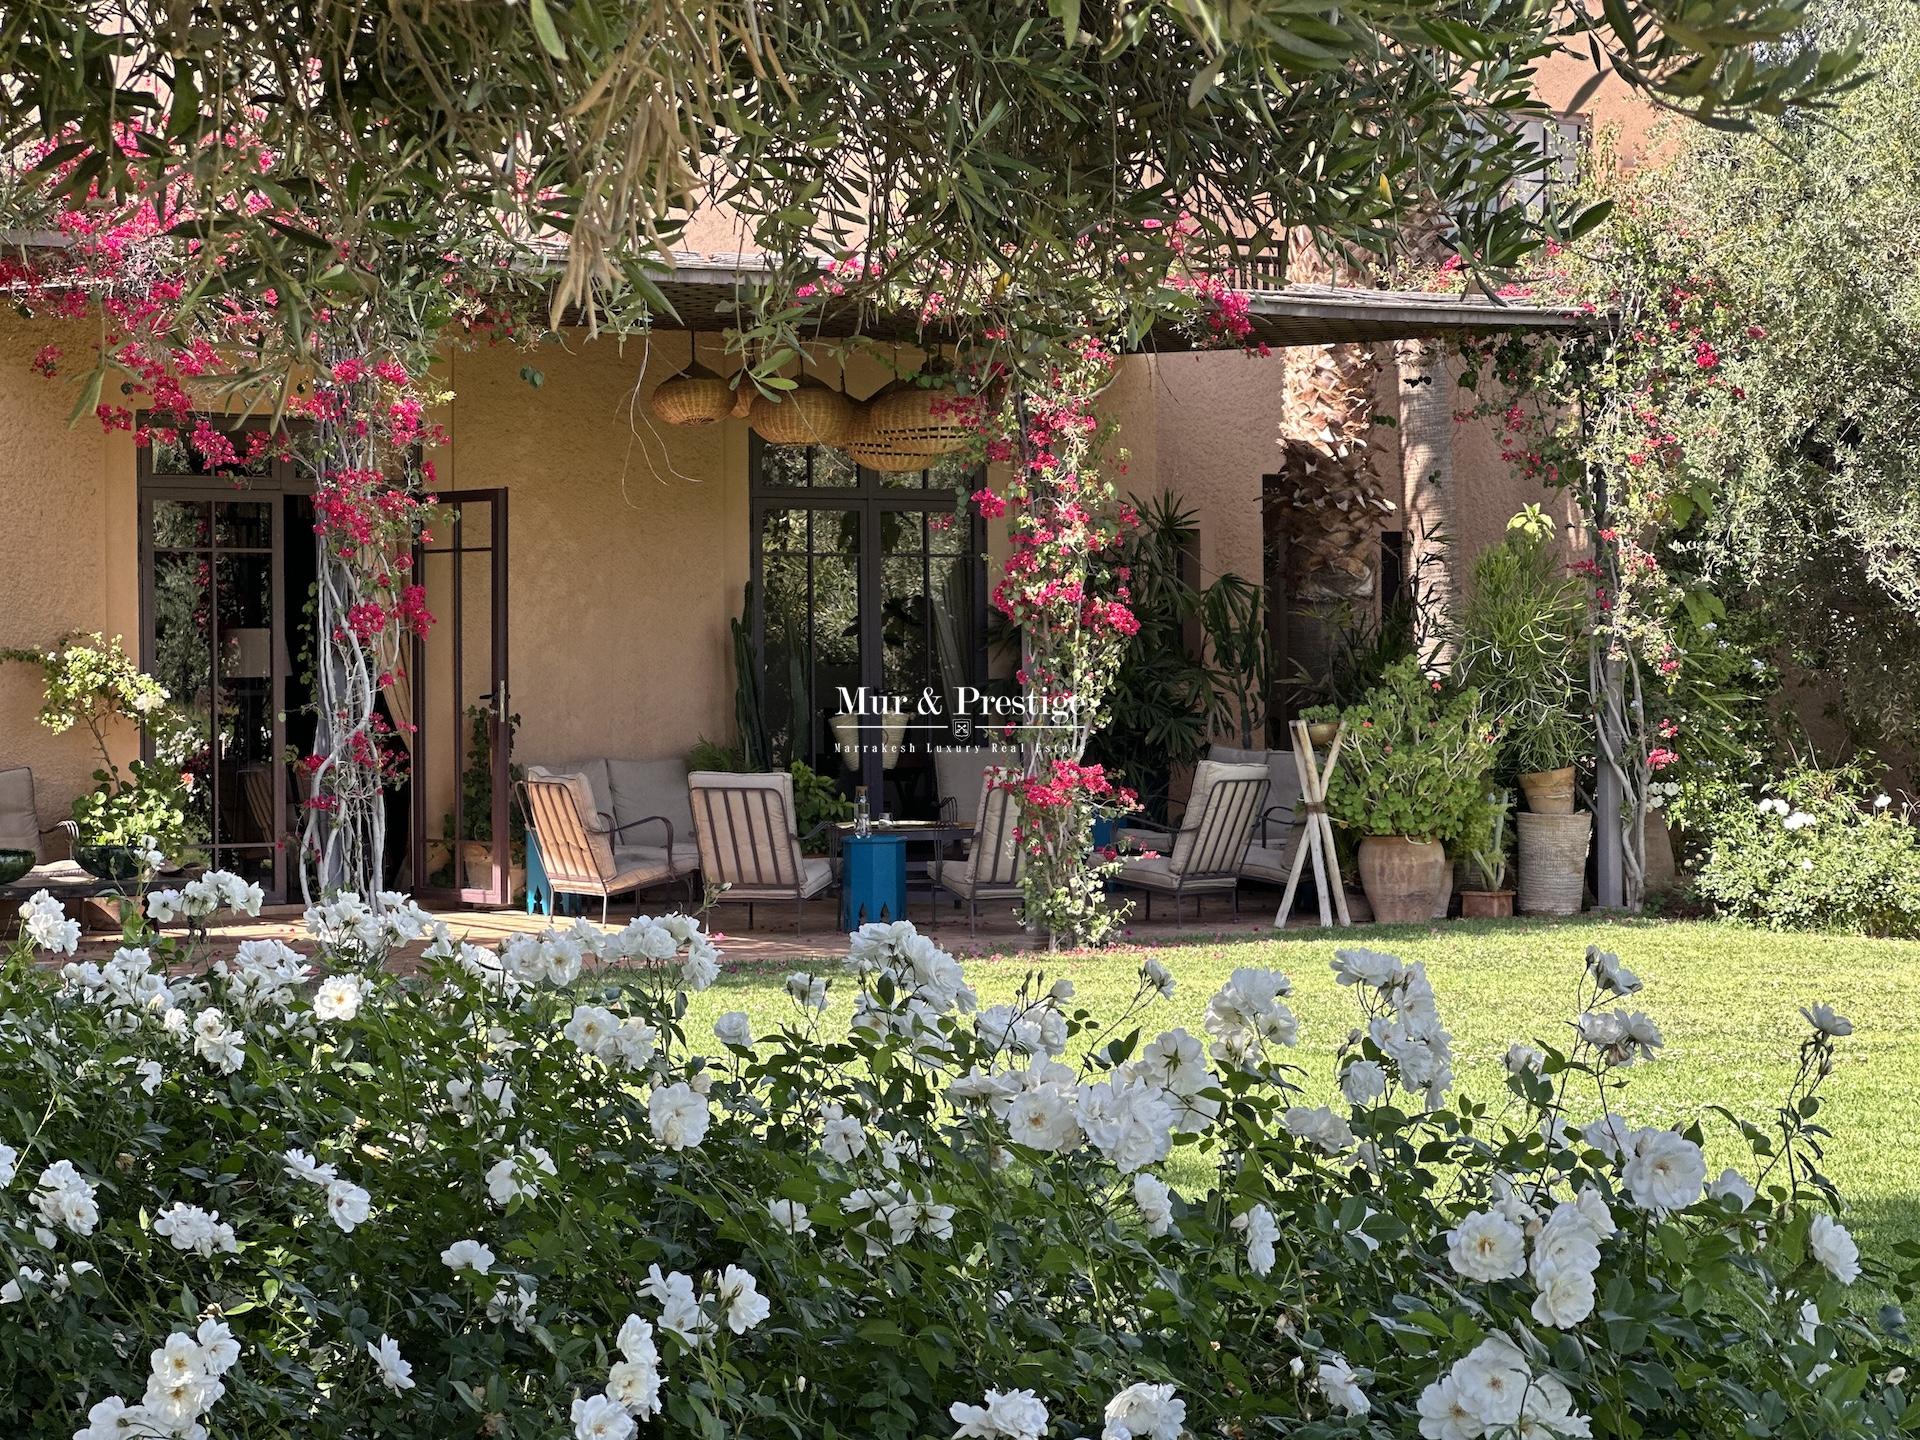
(474, 850)
(1520, 641)
(1483, 890)
(137, 819)
(1411, 780)
(817, 801)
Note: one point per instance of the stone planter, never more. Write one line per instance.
(1401, 877)
(1553, 862)
(1549, 792)
(1486, 904)
(1662, 873)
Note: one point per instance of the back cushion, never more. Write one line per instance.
(651, 787)
(1224, 836)
(599, 784)
(19, 825)
(1283, 789)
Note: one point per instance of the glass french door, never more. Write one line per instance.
(457, 708)
(869, 598)
(222, 557)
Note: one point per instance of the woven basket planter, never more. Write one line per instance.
(913, 421)
(1553, 862)
(874, 453)
(695, 396)
(809, 414)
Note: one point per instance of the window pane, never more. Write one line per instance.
(243, 524)
(181, 524)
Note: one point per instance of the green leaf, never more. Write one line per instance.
(543, 27)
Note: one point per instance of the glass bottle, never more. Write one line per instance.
(862, 825)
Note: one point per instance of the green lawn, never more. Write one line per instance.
(1727, 999)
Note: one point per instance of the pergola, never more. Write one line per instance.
(705, 291)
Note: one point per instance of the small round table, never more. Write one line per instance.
(873, 879)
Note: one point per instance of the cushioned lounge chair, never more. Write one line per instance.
(1205, 855)
(994, 865)
(577, 842)
(749, 841)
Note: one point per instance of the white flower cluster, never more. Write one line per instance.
(127, 988)
(1492, 1391)
(204, 897)
(1404, 1022)
(348, 1205)
(517, 1177)
(351, 923)
(1246, 1014)
(264, 977)
(184, 1384)
(43, 920)
(1006, 1415)
(633, 1387)
(1492, 1245)
(66, 1198)
(625, 1043)
(894, 1216)
(1144, 1412)
(189, 1227)
(923, 984)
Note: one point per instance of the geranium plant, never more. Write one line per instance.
(1415, 759)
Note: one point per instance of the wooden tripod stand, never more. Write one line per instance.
(1317, 843)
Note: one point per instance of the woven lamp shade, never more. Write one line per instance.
(696, 396)
(809, 414)
(921, 422)
(877, 453)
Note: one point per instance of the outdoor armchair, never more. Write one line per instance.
(577, 842)
(994, 866)
(1205, 855)
(750, 841)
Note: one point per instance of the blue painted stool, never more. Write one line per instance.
(540, 897)
(873, 879)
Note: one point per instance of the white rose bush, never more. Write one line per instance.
(515, 1194)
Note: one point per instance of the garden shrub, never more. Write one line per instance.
(513, 1197)
(1414, 759)
(1817, 850)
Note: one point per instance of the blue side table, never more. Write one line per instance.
(873, 879)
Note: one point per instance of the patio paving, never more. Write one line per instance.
(772, 942)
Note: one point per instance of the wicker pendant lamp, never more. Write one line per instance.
(696, 396)
(809, 414)
(919, 420)
(876, 451)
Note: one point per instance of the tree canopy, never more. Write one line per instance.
(1009, 152)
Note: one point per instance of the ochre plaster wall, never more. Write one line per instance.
(627, 543)
(68, 554)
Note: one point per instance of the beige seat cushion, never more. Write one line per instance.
(1158, 874)
(1272, 864)
(630, 877)
(1138, 838)
(19, 823)
(685, 859)
(960, 880)
(816, 873)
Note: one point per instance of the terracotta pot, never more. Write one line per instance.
(1443, 896)
(1486, 904)
(1553, 862)
(1401, 877)
(1549, 792)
